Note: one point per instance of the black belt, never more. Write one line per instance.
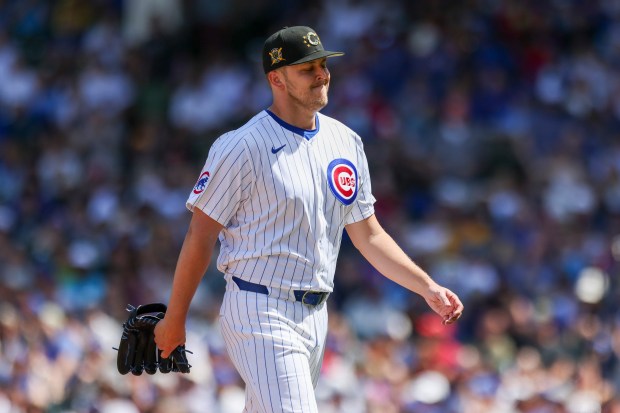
(312, 298)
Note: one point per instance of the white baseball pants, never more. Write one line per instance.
(277, 347)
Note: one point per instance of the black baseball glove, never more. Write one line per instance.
(138, 352)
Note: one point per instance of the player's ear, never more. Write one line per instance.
(275, 78)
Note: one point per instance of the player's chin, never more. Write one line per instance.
(318, 104)
(321, 100)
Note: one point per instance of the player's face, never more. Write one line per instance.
(308, 83)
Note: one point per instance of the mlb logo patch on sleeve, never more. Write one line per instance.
(342, 178)
(202, 183)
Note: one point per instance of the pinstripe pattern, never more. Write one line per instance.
(271, 187)
(279, 214)
(276, 339)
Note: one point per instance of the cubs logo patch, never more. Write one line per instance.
(312, 39)
(202, 183)
(342, 178)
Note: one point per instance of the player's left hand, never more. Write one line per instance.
(445, 303)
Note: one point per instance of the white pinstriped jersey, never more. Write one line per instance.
(284, 196)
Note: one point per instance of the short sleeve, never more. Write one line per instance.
(363, 207)
(224, 182)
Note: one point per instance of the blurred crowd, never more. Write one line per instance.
(492, 129)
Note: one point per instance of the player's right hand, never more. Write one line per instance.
(169, 334)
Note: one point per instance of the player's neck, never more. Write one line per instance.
(302, 119)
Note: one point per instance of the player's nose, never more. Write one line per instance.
(322, 73)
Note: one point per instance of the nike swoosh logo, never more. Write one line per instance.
(276, 150)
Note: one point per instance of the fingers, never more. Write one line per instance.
(166, 350)
(451, 319)
(444, 298)
(165, 347)
(165, 343)
(458, 305)
(457, 308)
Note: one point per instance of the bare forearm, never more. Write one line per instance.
(193, 261)
(389, 259)
(378, 247)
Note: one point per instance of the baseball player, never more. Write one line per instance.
(278, 192)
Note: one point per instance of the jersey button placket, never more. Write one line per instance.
(317, 173)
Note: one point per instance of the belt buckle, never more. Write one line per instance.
(321, 300)
(303, 297)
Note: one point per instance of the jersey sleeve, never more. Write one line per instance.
(364, 205)
(224, 182)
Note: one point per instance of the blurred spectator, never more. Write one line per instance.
(492, 132)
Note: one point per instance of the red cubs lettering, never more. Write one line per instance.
(344, 179)
(347, 181)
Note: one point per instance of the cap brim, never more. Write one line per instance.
(314, 56)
